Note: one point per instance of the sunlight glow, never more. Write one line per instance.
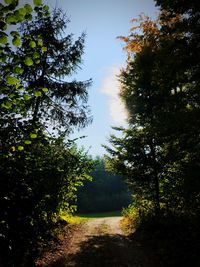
(111, 87)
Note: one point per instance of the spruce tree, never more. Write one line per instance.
(50, 58)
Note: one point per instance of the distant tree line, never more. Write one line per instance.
(106, 191)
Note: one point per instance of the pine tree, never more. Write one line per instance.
(49, 59)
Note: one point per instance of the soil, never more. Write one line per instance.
(97, 243)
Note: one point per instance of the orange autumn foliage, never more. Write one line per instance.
(146, 32)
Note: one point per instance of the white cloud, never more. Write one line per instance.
(111, 87)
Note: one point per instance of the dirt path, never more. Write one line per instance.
(100, 243)
(95, 228)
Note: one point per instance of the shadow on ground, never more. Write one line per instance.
(105, 251)
(171, 248)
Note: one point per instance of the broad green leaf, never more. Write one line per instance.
(18, 16)
(20, 148)
(27, 97)
(19, 86)
(16, 41)
(37, 2)
(28, 61)
(189, 107)
(32, 44)
(22, 11)
(11, 80)
(27, 142)
(7, 104)
(4, 106)
(37, 93)
(45, 90)
(10, 18)
(18, 70)
(44, 49)
(28, 8)
(33, 135)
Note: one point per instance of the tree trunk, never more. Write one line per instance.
(155, 179)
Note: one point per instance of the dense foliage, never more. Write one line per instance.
(159, 152)
(106, 192)
(39, 174)
(56, 100)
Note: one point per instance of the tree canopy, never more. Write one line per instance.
(158, 153)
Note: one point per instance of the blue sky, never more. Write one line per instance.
(102, 21)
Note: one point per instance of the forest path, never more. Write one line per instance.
(100, 243)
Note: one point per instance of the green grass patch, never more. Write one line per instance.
(72, 219)
(99, 215)
(79, 218)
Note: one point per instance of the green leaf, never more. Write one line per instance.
(11, 80)
(19, 86)
(27, 97)
(37, 93)
(12, 95)
(18, 70)
(4, 106)
(28, 61)
(189, 107)
(40, 42)
(8, 2)
(33, 135)
(28, 8)
(37, 61)
(13, 18)
(4, 88)
(10, 18)
(22, 11)
(7, 104)
(32, 44)
(27, 142)
(46, 8)
(20, 148)
(45, 90)
(44, 49)
(37, 2)
(3, 38)
(16, 41)
(18, 16)
(36, 55)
